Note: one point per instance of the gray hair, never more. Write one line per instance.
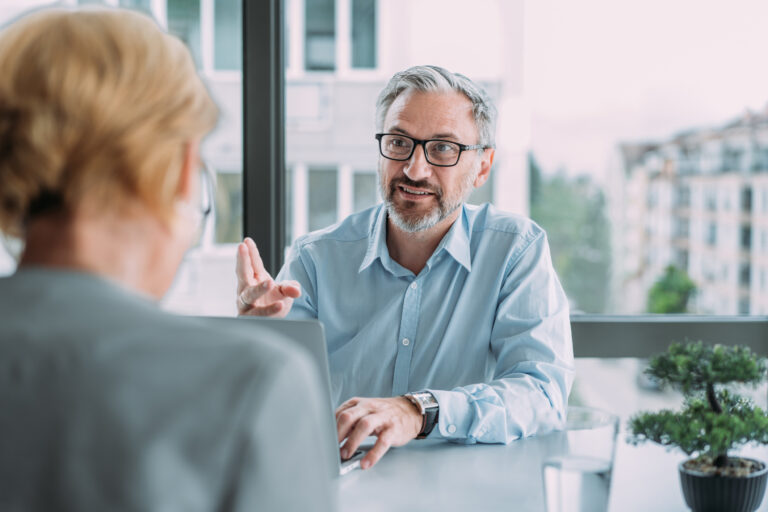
(437, 79)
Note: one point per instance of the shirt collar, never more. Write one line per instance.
(377, 240)
(455, 242)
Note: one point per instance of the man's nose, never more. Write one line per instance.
(418, 168)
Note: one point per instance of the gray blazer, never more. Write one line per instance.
(107, 403)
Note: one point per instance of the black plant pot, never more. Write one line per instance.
(709, 493)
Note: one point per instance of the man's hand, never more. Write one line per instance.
(257, 292)
(395, 421)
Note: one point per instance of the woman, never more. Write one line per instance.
(108, 403)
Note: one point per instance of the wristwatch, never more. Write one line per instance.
(428, 407)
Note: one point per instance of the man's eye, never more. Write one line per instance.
(442, 147)
(399, 143)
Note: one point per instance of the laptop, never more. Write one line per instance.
(310, 336)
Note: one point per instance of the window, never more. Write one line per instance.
(184, 22)
(365, 190)
(746, 237)
(744, 306)
(335, 132)
(765, 199)
(746, 200)
(320, 38)
(137, 5)
(681, 229)
(732, 159)
(228, 35)
(711, 200)
(745, 274)
(683, 197)
(712, 233)
(364, 34)
(322, 201)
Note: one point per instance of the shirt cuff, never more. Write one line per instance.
(454, 419)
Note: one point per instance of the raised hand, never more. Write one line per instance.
(257, 293)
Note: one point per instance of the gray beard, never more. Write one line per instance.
(433, 217)
(414, 225)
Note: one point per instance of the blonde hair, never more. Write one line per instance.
(96, 105)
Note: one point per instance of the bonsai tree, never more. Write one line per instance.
(713, 420)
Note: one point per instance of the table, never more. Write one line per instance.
(434, 475)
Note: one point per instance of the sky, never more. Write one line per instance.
(602, 71)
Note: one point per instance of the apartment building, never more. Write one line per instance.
(698, 200)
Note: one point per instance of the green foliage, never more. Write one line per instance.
(670, 294)
(698, 429)
(572, 211)
(534, 179)
(711, 422)
(692, 366)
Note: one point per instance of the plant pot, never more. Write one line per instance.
(715, 493)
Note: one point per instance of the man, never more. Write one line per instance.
(452, 313)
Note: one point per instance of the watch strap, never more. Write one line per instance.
(426, 403)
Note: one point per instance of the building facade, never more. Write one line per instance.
(698, 201)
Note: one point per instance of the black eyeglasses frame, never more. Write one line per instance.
(423, 144)
(208, 189)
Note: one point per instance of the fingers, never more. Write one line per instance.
(271, 310)
(247, 300)
(258, 266)
(250, 294)
(347, 420)
(393, 420)
(346, 405)
(366, 426)
(244, 268)
(383, 444)
(290, 289)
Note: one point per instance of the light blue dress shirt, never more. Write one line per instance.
(484, 326)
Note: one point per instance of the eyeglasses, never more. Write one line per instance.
(438, 152)
(203, 210)
(207, 187)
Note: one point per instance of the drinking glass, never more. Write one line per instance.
(579, 478)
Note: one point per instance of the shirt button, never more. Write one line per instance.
(406, 341)
(414, 285)
(451, 429)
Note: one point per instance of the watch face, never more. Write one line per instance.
(426, 400)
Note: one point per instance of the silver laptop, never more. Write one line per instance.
(310, 336)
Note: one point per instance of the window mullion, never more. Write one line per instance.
(343, 36)
(206, 35)
(264, 129)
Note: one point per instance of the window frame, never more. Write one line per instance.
(264, 129)
(295, 58)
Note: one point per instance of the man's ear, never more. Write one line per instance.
(190, 162)
(486, 161)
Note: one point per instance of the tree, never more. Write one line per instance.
(534, 179)
(670, 294)
(712, 421)
(572, 212)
